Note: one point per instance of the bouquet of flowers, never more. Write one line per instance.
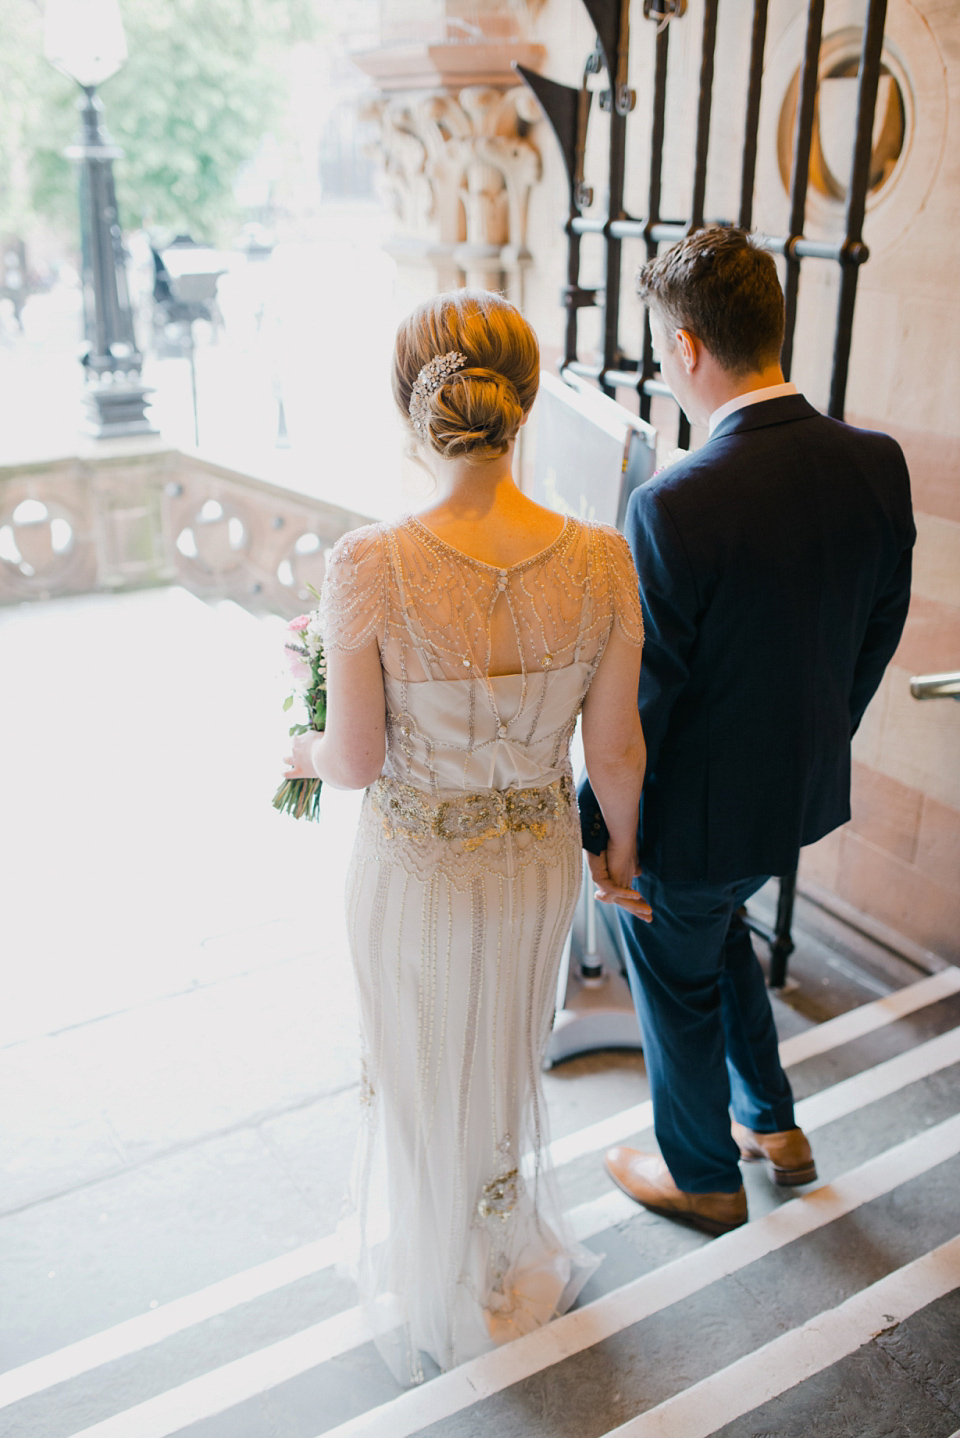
(308, 669)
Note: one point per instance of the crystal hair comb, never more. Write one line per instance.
(431, 378)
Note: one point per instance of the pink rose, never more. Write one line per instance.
(299, 668)
(299, 624)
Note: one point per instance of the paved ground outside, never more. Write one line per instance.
(179, 1071)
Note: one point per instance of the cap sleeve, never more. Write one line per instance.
(353, 604)
(624, 587)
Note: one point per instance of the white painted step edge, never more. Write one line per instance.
(798, 1355)
(146, 1329)
(244, 1378)
(493, 1372)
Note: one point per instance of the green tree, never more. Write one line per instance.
(35, 114)
(204, 82)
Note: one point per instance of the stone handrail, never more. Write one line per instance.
(136, 518)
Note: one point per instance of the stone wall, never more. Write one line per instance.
(899, 858)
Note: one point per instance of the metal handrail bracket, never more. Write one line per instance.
(936, 686)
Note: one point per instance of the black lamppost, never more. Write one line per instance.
(84, 39)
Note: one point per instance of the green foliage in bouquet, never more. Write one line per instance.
(308, 667)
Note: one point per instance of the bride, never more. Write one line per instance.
(461, 646)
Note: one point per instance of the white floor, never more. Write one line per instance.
(142, 744)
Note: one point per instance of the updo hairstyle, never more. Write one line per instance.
(476, 412)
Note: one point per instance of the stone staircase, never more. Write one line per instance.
(835, 1311)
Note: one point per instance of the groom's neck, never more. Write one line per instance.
(724, 386)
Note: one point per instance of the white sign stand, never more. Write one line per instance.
(591, 453)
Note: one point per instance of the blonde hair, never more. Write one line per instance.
(475, 412)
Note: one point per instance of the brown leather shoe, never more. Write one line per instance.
(786, 1154)
(646, 1178)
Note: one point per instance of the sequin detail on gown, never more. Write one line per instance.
(461, 890)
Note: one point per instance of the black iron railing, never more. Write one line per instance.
(568, 111)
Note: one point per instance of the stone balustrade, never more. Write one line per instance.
(156, 516)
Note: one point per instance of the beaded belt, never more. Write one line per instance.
(471, 818)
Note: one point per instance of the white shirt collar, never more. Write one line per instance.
(752, 396)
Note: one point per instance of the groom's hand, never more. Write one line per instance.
(609, 892)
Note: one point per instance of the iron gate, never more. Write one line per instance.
(568, 111)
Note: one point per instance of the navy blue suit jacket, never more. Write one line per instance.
(774, 568)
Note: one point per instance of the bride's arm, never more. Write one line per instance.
(616, 758)
(349, 754)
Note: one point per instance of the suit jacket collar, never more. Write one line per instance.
(768, 411)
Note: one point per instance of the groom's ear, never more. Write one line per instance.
(689, 349)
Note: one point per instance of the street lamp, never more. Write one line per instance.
(84, 39)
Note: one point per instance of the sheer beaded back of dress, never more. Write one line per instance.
(462, 887)
(432, 599)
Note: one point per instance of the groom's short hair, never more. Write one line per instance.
(718, 284)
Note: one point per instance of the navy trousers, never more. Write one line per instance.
(709, 1040)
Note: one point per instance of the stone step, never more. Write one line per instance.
(650, 1340)
(904, 1382)
(923, 1000)
(811, 1348)
(256, 1359)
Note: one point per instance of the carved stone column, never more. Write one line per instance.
(457, 161)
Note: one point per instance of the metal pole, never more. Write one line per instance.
(568, 111)
(283, 434)
(870, 57)
(800, 172)
(751, 122)
(704, 107)
(191, 356)
(114, 395)
(617, 161)
(782, 946)
(646, 367)
(579, 195)
(658, 128)
(591, 964)
(703, 113)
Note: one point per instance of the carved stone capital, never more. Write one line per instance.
(457, 162)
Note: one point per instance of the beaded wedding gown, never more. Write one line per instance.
(462, 887)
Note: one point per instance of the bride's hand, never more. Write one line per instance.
(613, 873)
(300, 765)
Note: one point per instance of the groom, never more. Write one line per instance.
(774, 568)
